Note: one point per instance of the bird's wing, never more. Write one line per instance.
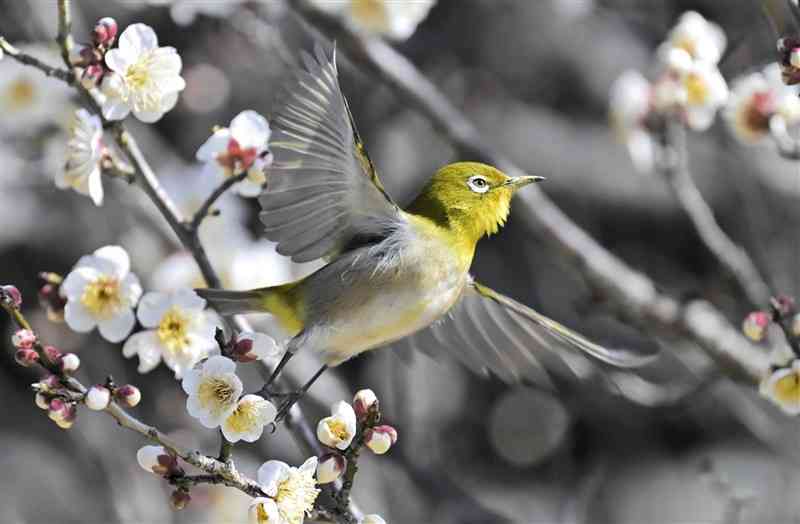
(490, 332)
(322, 190)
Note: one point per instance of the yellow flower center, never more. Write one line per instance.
(296, 495)
(370, 13)
(244, 417)
(215, 394)
(173, 330)
(338, 429)
(787, 389)
(696, 89)
(102, 297)
(141, 83)
(20, 93)
(261, 514)
(687, 44)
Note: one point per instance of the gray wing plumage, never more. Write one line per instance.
(322, 189)
(491, 333)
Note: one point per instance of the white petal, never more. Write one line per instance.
(131, 289)
(188, 299)
(117, 256)
(191, 379)
(309, 465)
(77, 318)
(103, 266)
(216, 144)
(146, 345)
(116, 328)
(117, 61)
(264, 346)
(96, 186)
(137, 38)
(373, 519)
(250, 129)
(219, 366)
(344, 411)
(76, 281)
(272, 473)
(148, 117)
(152, 307)
(269, 507)
(249, 189)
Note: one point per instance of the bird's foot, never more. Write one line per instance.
(291, 400)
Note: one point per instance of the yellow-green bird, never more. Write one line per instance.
(392, 273)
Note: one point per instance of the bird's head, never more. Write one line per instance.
(470, 197)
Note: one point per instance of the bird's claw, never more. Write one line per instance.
(291, 400)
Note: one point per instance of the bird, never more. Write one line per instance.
(393, 275)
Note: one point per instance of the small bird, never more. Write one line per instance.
(393, 274)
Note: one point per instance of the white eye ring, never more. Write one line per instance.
(478, 184)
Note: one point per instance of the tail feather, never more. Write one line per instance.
(227, 302)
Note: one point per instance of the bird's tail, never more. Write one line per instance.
(227, 302)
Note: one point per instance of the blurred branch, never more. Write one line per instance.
(30, 60)
(635, 292)
(673, 165)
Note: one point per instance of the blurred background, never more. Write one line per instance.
(689, 446)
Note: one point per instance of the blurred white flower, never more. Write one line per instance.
(213, 391)
(757, 98)
(264, 511)
(782, 387)
(145, 80)
(397, 20)
(183, 12)
(338, 430)
(247, 421)
(629, 107)
(373, 519)
(101, 291)
(703, 40)
(84, 151)
(238, 149)
(293, 489)
(694, 89)
(179, 331)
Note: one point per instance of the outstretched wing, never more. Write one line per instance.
(322, 191)
(490, 332)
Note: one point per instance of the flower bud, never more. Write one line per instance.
(330, 467)
(98, 397)
(26, 357)
(363, 401)
(13, 294)
(53, 354)
(62, 413)
(105, 31)
(50, 383)
(788, 51)
(42, 401)
(92, 76)
(249, 347)
(23, 339)
(148, 458)
(128, 395)
(70, 363)
(755, 325)
(783, 305)
(380, 438)
(373, 519)
(179, 499)
(50, 296)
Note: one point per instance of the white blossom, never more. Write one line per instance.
(81, 171)
(629, 106)
(782, 387)
(330, 468)
(757, 98)
(237, 149)
(338, 430)
(397, 20)
(293, 489)
(98, 397)
(101, 292)
(213, 390)
(264, 511)
(145, 78)
(704, 41)
(248, 419)
(179, 331)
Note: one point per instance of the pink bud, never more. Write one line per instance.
(105, 31)
(26, 357)
(179, 499)
(92, 76)
(98, 397)
(380, 438)
(783, 305)
(13, 295)
(62, 413)
(755, 325)
(51, 383)
(23, 339)
(53, 354)
(330, 467)
(128, 395)
(364, 401)
(41, 401)
(70, 363)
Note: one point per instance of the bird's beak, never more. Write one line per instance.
(520, 181)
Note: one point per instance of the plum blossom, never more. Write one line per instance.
(701, 91)
(249, 347)
(84, 151)
(704, 41)
(338, 430)
(145, 78)
(331, 466)
(248, 419)
(629, 107)
(102, 292)
(782, 387)
(293, 489)
(179, 331)
(264, 510)
(380, 438)
(240, 148)
(397, 20)
(213, 390)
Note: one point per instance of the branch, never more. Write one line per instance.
(205, 209)
(26, 59)
(673, 165)
(633, 291)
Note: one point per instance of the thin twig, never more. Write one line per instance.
(205, 209)
(674, 167)
(634, 292)
(31, 60)
(64, 37)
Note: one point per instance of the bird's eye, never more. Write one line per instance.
(478, 184)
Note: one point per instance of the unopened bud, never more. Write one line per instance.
(26, 357)
(42, 401)
(755, 325)
(53, 354)
(380, 438)
(98, 397)
(179, 499)
(363, 401)
(70, 363)
(147, 457)
(62, 413)
(23, 339)
(105, 31)
(92, 76)
(330, 467)
(128, 395)
(13, 295)
(249, 347)
(50, 383)
(50, 296)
